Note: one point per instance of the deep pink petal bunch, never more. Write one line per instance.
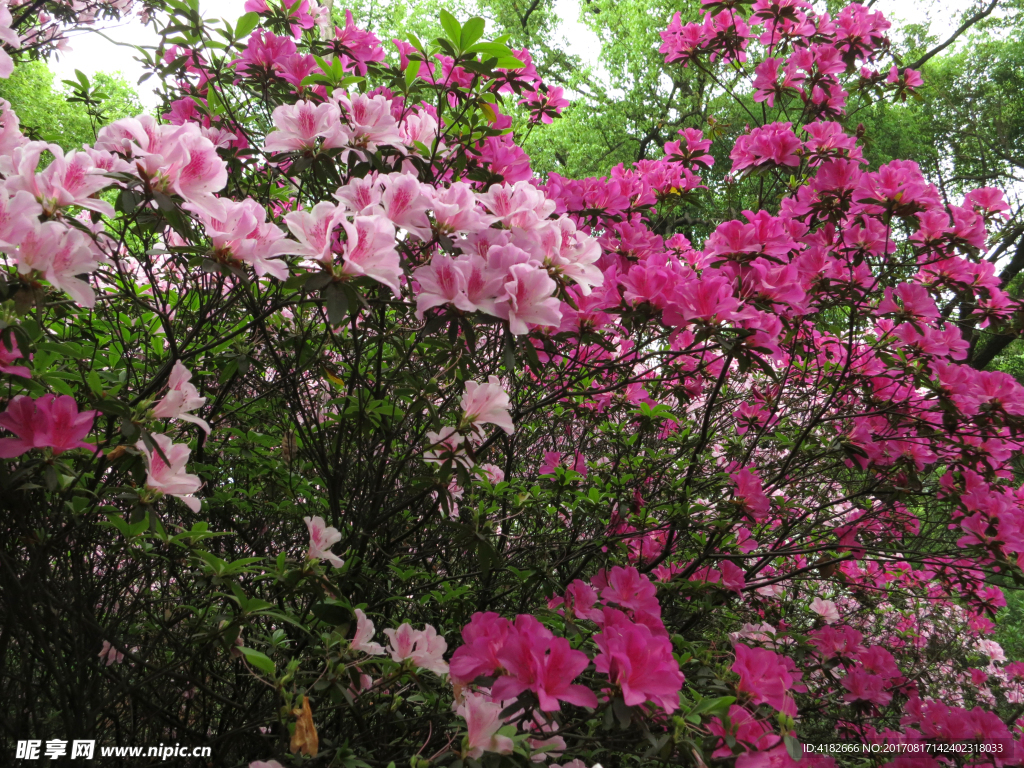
(50, 421)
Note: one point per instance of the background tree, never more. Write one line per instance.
(49, 111)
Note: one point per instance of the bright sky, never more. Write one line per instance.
(93, 53)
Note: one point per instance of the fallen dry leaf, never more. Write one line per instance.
(304, 739)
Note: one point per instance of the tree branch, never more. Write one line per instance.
(959, 31)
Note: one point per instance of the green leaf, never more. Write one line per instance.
(493, 50)
(216, 564)
(94, 382)
(793, 746)
(246, 24)
(472, 30)
(717, 707)
(259, 660)
(452, 27)
(118, 522)
(487, 555)
(61, 387)
(509, 62)
(411, 72)
(336, 303)
(136, 528)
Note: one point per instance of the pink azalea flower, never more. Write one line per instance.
(529, 300)
(503, 157)
(243, 233)
(441, 282)
(864, 686)
(313, 229)
(483, 721)
(447, 445)
(992, 649)
(182, 397)
(639, 663)
(918, 304)
(767, 676)
(748, 490)
(321, 538)
(178, 158)
(263, 54)
(552, 461)
(75, 255)
(61, 426)
(494, 474)
(370, 250)
(537, 661)
(12, 39)
(520, 205)
(195, 170)
(826, 609)
(60, 254)
(428, 653)
(19, 212)
(733, 577)
(110, 654)
(708, 299)
(771, 145)
(360, 45)
(8, 355)
(456, 209)
(483, 638)
(299, 126)
(579, 598)
(49, 422)
(837, 641)
(68, 180)
(426, 648)
(572, 254)
(406, 205)
(487, 404)
(361, 195)
(403, 640)
(987, 200)
(483, 283)
(630, 589)
(370, 120)
(420, 127)
(879, 661)
(545, 104)
(11, 137)
(169, 477)
(19, 418)
(363, 635)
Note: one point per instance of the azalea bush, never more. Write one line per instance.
(335, 435)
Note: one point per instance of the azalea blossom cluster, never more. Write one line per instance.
(805, 52)
(501, 660)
